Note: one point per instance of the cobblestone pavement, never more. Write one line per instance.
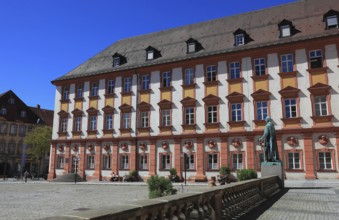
(39, 199)
(306, 200)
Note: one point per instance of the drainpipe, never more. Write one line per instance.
(136, 119)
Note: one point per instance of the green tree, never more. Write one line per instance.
(40, 139)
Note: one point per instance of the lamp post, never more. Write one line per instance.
(184, 155)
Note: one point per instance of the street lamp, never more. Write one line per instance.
(184, 155)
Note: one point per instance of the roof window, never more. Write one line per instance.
(331, 19)
(193, 45)
(152, 53)
(118, 60)
(241, 37)
(287, 29)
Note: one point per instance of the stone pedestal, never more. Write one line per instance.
(273, 169)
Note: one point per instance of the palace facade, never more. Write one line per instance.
(195, 98)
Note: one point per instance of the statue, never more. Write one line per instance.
(270, 142)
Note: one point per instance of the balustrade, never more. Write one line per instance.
(222, 202)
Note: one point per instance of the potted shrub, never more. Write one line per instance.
(159, 186)
(246, 174)
(224, 171)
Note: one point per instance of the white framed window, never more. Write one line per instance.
(290, 108)
(80, 90)
(285, 30)
(110, 86)
(90, 162)
(95, 89)
(109, 122)
(320, 105)
(239, 39)
(22, 130)
(189, 116)
(189, 163)
(145, 81)
(3, 111)
(23, 114)
(166, 161)
(60, 162)
(106, 162)
(237, 161)
(212, 114)
(127, 84)
(11, 100)
(325, 161)
(77, 124)
(116, 61)
(65, 92)
(332, 21)
(143, 162)
(316, 59)
(293, 161)
(287, 63)
(13, 129)
(126, 120)
(191, 47)
(3, 128)
(93, 123)
(150, 55)
(144, 119)
(63, 124)
(236, 112)
(166, 79)
(189, 76)
(124, 162)
(235, 70)
(213, 161)
(166, 117)
(260, 66)
(211, 73)
(262, 110)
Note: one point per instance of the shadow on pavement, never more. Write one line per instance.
(258, 211)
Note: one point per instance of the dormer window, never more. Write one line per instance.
(118, 60)
(193, 45)
(191, 48)
(286, 28)
(331, 19)
(23, 114)
(241, 37)
(285, 31)
(152, 53)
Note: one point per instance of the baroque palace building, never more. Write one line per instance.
(16, 120)
(195, 98)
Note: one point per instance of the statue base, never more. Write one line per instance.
(273, 169)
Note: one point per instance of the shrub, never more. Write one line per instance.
(159, 186)
(173, 171)
(246, 174)
(224, 171)
(173, 175)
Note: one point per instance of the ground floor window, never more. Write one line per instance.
(124, 164)
(237, 161)
(189, 163)
(165, 161)
(90, 162)
(106, 162)
(60, 161)
(325, 160)
(143, 159)
(293, 161)
(213, 161)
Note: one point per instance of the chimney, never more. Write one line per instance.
(38, 106)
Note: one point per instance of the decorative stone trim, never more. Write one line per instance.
(236, 142)
(164, 145)
(323, 139)
(292, 141)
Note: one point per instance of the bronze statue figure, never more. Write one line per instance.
(270, 146)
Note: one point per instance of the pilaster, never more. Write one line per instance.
(51, 173)
(250, 151)
(177, 158)
(309, 157)
(224, 152)
(97, 161)
(200, 161)
(152, 158)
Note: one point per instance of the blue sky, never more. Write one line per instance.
(41, 40)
